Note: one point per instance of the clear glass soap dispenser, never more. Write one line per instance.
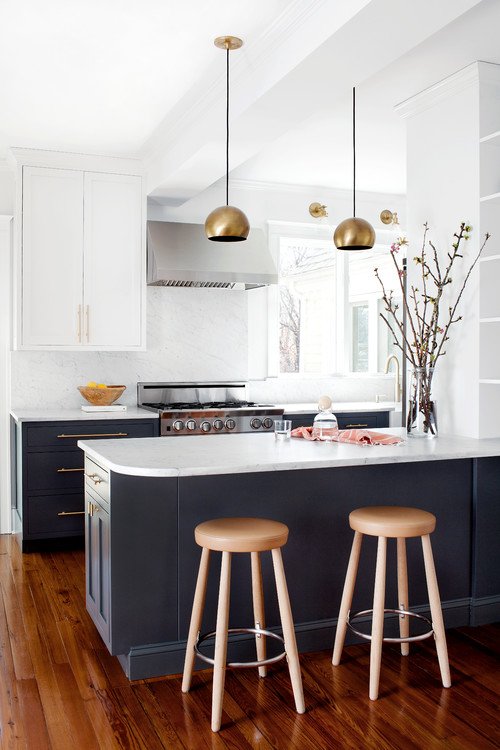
(325, 426)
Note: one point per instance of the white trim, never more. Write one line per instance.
(5, 346)
(491, 137)
(492, 197)
(489, 257)
(37, 157)
(427, 98)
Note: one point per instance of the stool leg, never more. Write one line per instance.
(258, 610)
(196, 617)
(436, 612)
(288, 631)
(378, 618)
(345, 604)
(221, 641)
(404, 620)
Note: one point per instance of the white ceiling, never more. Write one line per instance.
(123, 77)
(99, 75)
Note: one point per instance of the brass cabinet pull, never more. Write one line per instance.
(63, 471)
(91, 508)
(72, 513)
(95, 435)
(95, 478)
(79, 324)
(87, 316)
(354, 425)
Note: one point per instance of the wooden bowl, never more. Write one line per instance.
(101, 396)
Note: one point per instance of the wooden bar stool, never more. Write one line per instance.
(399, 523)
(253, 535)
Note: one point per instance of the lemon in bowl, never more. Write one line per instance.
(99, 394)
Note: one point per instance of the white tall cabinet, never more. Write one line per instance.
(80, 253)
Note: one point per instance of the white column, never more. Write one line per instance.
(5, 346)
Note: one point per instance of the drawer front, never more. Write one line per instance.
(54, 470)
(66, 434)
(97, 479)
(55, 515)
(356, 421)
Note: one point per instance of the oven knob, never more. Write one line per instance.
(191, 424)
(255, 423)
(206, 426)
(178, 425)
(218, 424)
(230, 424)
(268, 423)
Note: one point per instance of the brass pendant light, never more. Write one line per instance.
(227, 223)
(354, 233)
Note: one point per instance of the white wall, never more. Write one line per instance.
(6, 190)
(443, 190)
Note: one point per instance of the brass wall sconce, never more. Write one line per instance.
(317, 210)
(389, 217)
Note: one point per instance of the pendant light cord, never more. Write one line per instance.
(354, 151)
(227, 126)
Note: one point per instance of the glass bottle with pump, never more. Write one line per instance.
(325, 426)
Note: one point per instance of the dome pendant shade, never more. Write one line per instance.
(354, 234)
(227, 224)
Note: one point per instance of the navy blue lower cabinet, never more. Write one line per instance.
(345, 420)
(47, 474)
(152, 558)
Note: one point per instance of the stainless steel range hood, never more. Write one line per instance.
(180, 255)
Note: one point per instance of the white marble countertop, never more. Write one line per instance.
(341, 407)
(232, 454)
(71, 415)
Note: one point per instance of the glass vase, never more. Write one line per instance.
(421, 414)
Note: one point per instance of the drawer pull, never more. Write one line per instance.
(63, 471)
(96, 434)
(348, 426)
(95, 478)
(72, 513)
(91, 508)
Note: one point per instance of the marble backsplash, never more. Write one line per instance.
(193, 335)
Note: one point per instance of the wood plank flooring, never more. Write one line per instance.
(61, 690)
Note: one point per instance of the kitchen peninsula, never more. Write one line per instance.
(144, 498)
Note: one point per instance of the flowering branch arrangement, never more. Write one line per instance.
(423, 340)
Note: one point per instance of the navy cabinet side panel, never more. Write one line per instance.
(144, 561)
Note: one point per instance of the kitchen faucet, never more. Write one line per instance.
(397, 386)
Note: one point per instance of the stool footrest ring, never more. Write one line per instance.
(244, 664)
(409, 639)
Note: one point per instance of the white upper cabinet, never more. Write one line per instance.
(112, 260)
(52, 262)
(80, 259)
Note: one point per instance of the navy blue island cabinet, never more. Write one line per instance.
(142, 559)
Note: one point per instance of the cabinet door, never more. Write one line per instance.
(113, 266)
(97, 563)
(52, 256)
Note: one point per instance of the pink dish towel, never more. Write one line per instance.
(359, 437)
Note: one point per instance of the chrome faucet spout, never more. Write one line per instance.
(397, 379)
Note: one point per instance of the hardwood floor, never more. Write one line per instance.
(60, 688)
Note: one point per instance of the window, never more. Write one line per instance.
(330, 304)
(306, 310)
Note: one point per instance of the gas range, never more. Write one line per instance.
(205, 408)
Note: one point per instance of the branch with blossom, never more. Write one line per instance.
(427, 330)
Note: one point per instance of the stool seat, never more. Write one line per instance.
(241, 534)
(391, 521)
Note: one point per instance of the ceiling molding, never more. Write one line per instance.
(318, 192)
(454, 84)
